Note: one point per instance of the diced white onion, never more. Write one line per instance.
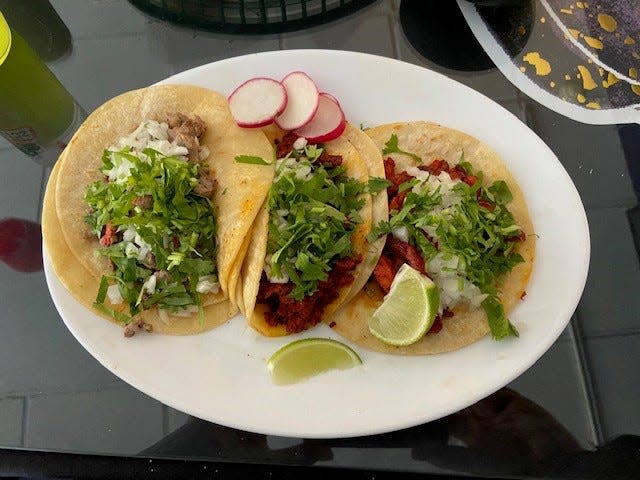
(131, 251)
(203, 153)
(113, 292)
(168, 148)
(150, 285)
(121, 169)
(186, 312)
(272, 278)
(164, 316)
(149, 134)
(401, 233)
(303, 172)
(129, 234)
(300, 143)
(207, 284)
(143, 252)
(157, 130)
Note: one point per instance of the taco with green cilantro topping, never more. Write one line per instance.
(458, 216)
(309, 244)
(147, 210)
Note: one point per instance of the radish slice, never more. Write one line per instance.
(331, 97)
(302, 101)
(328, 122)
(257, 102)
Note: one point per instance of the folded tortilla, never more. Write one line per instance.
(239, 194)
(254, 262)
(431, 141)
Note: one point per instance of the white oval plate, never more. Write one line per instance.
(221, 375)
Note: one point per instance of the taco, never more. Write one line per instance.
(309, 240)
(151, 207)
(457, 215)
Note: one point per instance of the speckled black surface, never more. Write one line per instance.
(573, 414)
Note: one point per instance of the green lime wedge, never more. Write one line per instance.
(408, 310)
(308, 357)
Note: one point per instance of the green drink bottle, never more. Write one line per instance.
(37, 114)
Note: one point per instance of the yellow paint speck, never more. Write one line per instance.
(552, 84)
(581, 98)
(521, 31)
(589, 60)
(523, 69)
(629, 40)
(607, 22)
(633, 72)
(542, 19)
(587, 79)
(635, 55)
(601, 71)
(567, 11)
(574, 32)
(567, 77)
(635, 89)
(593, 42)
(580, 4)
(593, 105)
(612, 79)
(542, 66)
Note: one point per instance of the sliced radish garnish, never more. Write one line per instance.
(302, 101)
(328, 122)
(257, 102)
(331, 97)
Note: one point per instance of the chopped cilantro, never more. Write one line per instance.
(158, 224)
(313, 210)
(392, 147)
(377, 184)
(251, 159)
(499, 324)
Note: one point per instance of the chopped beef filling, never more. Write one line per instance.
(394, 254)
(150, 260)
(135, 325)
(330, 160)
(206, 184)
(145, 202)
(300, 315)
(175, 119)
(285, 145)
(186, 132)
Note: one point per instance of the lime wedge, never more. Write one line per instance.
(308, 357)
(408, 310)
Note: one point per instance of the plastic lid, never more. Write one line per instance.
(5, 39)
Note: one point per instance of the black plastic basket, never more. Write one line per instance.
(250, 16)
